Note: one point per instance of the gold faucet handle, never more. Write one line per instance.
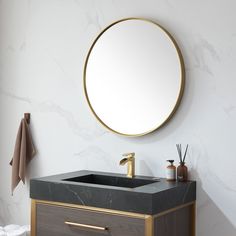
(129, 155)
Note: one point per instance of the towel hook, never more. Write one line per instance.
(27, 117)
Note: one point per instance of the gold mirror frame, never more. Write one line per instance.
(181, 60)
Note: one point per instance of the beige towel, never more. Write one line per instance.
(23, 153)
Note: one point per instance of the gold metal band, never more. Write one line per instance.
(182, 84)
(149, 219)
(174, 209)
(89, 208)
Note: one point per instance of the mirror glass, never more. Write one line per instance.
(133, 77)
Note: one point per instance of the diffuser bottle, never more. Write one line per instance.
(170, 171)
(182, 172)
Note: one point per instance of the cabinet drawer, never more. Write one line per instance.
(53, 220)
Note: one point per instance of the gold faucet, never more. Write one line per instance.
(130, 160)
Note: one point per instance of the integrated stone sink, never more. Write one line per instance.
(111, 180)
(141, 194)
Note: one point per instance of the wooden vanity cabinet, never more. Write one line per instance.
(59, 219)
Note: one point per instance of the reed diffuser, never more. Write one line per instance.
(182, 170)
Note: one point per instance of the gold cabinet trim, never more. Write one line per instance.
(88, 208)
(149, 226)
(149, 219)
(33, 218)
(174, 209)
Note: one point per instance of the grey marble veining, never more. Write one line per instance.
(51, 107)
(151, 198)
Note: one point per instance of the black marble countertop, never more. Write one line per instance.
(148, 199)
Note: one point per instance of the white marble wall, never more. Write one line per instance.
(43, 44)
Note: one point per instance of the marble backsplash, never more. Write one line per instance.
(43, 44)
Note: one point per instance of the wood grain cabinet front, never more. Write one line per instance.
(62, 219)
(56, 220)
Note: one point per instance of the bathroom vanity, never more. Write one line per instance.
(88, 203)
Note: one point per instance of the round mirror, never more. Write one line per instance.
(133, 77)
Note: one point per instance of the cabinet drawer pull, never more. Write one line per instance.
(86, 226)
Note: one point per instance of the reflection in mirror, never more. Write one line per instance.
(134, 77)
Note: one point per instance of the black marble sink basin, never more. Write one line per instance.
(141, 194)
(111, 180)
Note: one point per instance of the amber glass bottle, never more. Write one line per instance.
(182, 172)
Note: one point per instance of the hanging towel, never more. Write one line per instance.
(23, 153)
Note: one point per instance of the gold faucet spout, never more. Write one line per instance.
(130, 160)
(123, 161)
